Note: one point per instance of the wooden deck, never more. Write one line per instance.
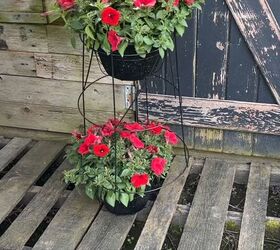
(39, 211)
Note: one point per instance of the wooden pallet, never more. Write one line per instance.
(28, 194)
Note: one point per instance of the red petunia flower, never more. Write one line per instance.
(155, 128)
(176, 3)
(114, 40)
(189, 2)
(92, 139)
(93, 129)
(158, 165)
(152, 149)
(125, 134)
(144, 3)
(136, 142)
(110, 16)
(77, 135)
(108, 129)
(138, 180)
(101, 150)
(134, 127)
(170, 137)
(83, 149)
(66, 4)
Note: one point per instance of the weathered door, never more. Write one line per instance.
(229, 72)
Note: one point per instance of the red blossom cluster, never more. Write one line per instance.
(98, 139)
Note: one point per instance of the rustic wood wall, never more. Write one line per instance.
(40, 75)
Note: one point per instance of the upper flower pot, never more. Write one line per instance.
(131, 66)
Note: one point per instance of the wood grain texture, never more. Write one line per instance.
(33, 214)
(217, 114)
(22, 5)
(70, 223)
(266, 145)
(205, 223)
(159, 219)
(254, 216)
(212, 50)
(12, 150)
(20, 17)
(17, 181)
(262, 34)
(108, 231)
(208, 139)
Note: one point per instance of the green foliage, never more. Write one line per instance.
(146, 28)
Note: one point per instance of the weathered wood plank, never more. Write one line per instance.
(218, 114)
(237, 143)
(22, 5)
(12, 150)
(205, 223)
(242, 74)
(254, 216)
(22, 37)
(70, 223)
(188, 135)
(208, 139)
(48, 118)
(108, 231)
(266, 145)
(30, 90)
(159, 219)
(20, 17)
(212, 50)
(33, 214)
(17, 181)
(262, 33)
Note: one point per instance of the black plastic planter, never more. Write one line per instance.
(130, 67)
(133, 207)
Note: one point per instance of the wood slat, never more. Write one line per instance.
(157, 224)
(12, 150)
(19, 179)
(262, 39)
(217, 114)
(108, 231)
(22, 5)
(254, 216)
(20, 17)
(205, 223)
(33, 214)
(70, 223)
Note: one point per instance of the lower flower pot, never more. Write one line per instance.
(130, 67)
(133, 207)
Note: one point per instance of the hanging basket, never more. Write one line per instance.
(130, 67)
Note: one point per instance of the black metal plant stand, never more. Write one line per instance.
(140, 87)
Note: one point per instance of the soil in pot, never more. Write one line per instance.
(131, 67)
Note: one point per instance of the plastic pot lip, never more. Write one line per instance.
(153, 52)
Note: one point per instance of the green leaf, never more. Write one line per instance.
(107, 184)
(124, 198)
(90, 191)
(123, 47)
(161, 52)
(96, 45)
(89, 32)
(196, 5)
(125, 172)
(131, 197)
(148, 40)
(111, 198)
(180, 29)
(73, 42)
(76, 25)
(161, 14)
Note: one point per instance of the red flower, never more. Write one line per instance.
(152, 149)
(170, 137)
(144, 3)
(77, 135)
(101, 150)
(92, 129)
(125, 134)
(176, 3)
(83, 149)
(134, 127)
(155, 128)
(92, 139)
(66, 4)
(114, 40)
(136, 142)
(138, 180)
(108, 129)
(189, 2)
(158, 165)
(110, 16)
